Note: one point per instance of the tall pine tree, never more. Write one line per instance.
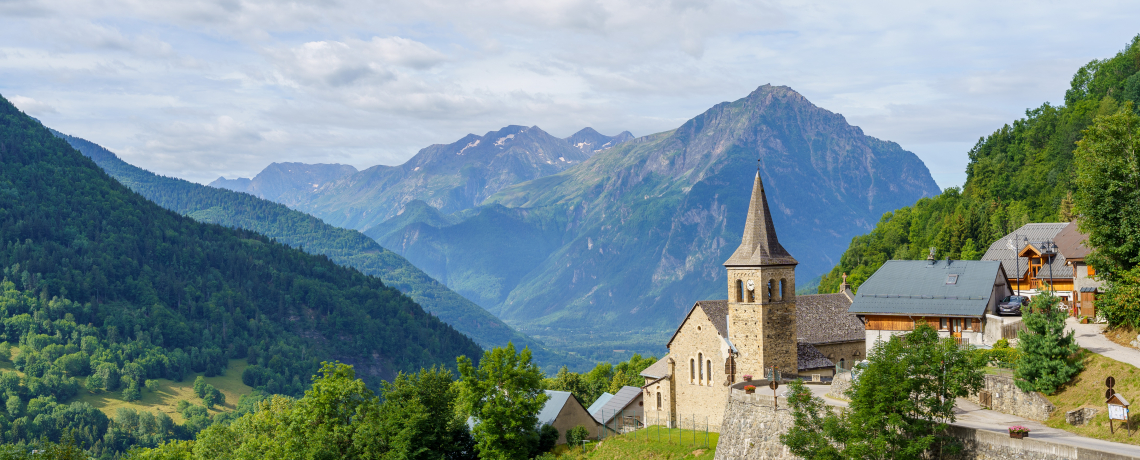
(1048, 354)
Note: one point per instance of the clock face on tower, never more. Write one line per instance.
(751, 285)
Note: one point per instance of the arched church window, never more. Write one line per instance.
(783, 288)
(842, 363)
(739, 291)
(769, 290)
(692, 370)
(658, 400)
(701, 371)
(708, 368)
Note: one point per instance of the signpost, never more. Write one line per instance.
(1117, 407)
(774, 383)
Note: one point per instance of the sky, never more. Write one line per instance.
(202, 89)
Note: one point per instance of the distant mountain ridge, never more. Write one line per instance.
(345, 247)
(630, 238)
(450, 177)
(287, 183)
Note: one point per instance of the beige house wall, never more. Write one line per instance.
(698, 394)
(572, 415)
(849, 352)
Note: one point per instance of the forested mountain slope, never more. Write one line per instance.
(138, 272)
(1023, 172)
(452, 177)
(345, 247)
(630, 238)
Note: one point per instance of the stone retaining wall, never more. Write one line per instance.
(1007, 398)
(752, 429)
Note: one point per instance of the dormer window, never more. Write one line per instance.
(952, 279)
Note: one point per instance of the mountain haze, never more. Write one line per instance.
(345, 247)
(630, 238)
(117, 267)
(286, 183)
(451, 177)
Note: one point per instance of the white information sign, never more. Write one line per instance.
(1117, 412)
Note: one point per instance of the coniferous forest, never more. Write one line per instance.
(103, 290)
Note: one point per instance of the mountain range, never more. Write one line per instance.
(608, 252)
(451, 177)
(345, 247)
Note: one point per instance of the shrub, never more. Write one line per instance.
(152, 385)
(132, 393)
(577, 436)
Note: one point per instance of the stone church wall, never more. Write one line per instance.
(696, 398)
(849, 352)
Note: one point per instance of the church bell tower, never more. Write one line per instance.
(762, 295)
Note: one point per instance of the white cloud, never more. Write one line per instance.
(199, 89)
(31, 106)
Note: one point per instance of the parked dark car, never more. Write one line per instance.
(1012, 305)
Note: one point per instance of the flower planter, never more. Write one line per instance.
(1018, 432)
(1018, 435)
(749, 391)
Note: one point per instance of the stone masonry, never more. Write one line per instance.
(1006, 397)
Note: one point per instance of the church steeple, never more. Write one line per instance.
(759, 246)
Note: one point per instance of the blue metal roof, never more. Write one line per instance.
(602, 400)
(919, 287)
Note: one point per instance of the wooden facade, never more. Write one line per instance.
(954, 325)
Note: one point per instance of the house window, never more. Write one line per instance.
(1092, 271)
(952, 279)
(942, 324)
(842, 363)
(701, 371)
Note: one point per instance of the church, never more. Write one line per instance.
(761, 325)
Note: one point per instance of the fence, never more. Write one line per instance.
(685, 430)
(1012, 330)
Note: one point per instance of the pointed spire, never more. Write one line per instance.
(759, 245)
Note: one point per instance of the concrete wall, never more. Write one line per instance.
(1007, 398)
(752, 429)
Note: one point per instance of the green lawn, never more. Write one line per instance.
(650, 443)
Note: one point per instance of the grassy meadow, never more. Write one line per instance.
(663, 444)
(1087, 390)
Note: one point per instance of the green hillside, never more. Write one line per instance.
(104, 286)
(310, 234)
(1021, 173)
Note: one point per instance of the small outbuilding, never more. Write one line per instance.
(564, 411)
(621, 412)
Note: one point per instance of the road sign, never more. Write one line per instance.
(1110, 382)
(1108, 394)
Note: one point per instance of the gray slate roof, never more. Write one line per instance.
(1005, 249)
(918, 287)
(597, 404)
(823, 318)
(716, 310)
(616, 404)
(554, 405)
(658, 369)
(811, 358)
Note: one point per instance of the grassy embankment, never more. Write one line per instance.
(663, 444)
(1087, 390)
(168, 394)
